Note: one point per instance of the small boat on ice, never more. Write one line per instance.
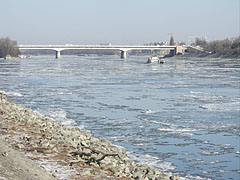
(161, 61)
(152, 59)
(156, 59)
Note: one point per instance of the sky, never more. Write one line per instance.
(118, 22)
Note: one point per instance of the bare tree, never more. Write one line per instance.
(200, 41)
(8, 47)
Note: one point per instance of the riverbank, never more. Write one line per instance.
(14, 165)
(64, 153)
(207, 56)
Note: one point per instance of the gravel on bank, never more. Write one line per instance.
(62, 152)
(15, 166)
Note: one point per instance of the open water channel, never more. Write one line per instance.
(181, 117)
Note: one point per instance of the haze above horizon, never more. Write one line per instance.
(117, 22)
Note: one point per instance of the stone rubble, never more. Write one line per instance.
(87, 156)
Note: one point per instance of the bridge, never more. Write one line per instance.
(122, 48)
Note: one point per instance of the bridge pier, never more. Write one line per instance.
(58, 54)
(123, 55)
(172, 52)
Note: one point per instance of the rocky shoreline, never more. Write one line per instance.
(15, 166)
(67, 153)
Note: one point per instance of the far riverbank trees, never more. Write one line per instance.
(223, 47)
(8, 47)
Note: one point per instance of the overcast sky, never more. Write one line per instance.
(117, 21)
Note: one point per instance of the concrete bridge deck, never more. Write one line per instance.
(122, 48)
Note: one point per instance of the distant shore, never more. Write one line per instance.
(65, 153)
(206, 56)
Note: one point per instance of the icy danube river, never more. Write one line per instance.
(181, 117)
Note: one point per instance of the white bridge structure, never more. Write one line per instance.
(122, 48)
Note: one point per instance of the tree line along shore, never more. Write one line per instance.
(8, 48)
(220, 48)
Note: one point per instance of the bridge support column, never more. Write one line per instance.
(58, 54)
(172, 52)
(123, 55)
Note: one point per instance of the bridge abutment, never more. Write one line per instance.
(180, 49)
(123, 55)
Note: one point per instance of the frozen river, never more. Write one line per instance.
(181, 117)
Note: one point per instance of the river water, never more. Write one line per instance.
(181, 117)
